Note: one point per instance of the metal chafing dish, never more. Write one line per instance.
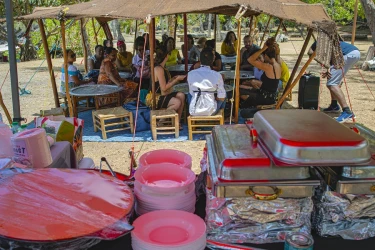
(309, 138)
(237, 168)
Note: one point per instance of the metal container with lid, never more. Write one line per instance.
(309, 138)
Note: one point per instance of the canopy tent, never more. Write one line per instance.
(313, 16)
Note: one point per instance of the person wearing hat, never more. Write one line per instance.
(124, 58)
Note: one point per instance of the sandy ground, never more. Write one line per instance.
(362, 100)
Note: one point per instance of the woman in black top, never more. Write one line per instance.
(265, 91)
(164, 85)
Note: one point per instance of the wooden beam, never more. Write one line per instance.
(152, 49)
(70, 103)
(265, 30)
(289, 90)
(278, 28)
(95, 33)
(237, 80)
(186, 43)
(83, 43)
(355, 21)
(49, 63)
(251, 25)
(28, 28)
(215, 31)
(300, 56)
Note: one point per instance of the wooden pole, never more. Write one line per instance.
(300, 56)
(83, 43)
(237, 74)
(265, 30)
(95, 34)
(289, 90)
(49, 63)
(71, 113)
(251, 25)
(278, 28)
(135, 35)
(355, 21)
(175, 28)
(152, 49)
(2, 104)
(185, 44)
(215, 31)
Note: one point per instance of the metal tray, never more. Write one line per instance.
(235, 159)
(309, 138)
(287, 188)
(334, 181)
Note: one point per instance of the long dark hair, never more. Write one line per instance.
(166, 43)
(226, 40)
(161, 53)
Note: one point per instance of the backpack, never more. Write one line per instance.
(143, 118)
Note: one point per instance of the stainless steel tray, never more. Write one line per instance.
(334, 181)
(237, 157)
(309, 138)
(286, 189)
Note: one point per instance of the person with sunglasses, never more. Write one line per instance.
(75, 76)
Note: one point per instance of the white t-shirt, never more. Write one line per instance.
(206, 74)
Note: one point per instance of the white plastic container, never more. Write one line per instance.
(6, 148)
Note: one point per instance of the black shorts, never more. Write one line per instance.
(255, 98)
(164, 100)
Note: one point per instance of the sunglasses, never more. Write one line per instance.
(72, 55)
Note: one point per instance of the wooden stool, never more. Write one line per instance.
(204, 122)
(168, 125)
(100, 116)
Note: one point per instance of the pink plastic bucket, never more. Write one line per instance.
(166, 156)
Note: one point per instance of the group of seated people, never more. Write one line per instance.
(203, 78)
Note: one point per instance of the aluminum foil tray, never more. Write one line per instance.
(247, 220)
(309, 138)
(235, 159)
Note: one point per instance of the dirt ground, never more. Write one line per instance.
(41, 98)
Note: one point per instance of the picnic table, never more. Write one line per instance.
(230, 74)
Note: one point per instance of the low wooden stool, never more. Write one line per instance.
(166, 121)
(204, 122)
(100, 116)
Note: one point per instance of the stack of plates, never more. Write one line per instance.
(169, 229)
(164, 187)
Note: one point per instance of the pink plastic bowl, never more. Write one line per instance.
(164, 178)
(166, 156)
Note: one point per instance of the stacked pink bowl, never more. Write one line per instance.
(164, 187)
(169, 229)
(165, 156)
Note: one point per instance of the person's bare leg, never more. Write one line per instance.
(174, 104)
(181, 97)
(337, 93)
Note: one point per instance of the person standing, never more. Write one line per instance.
(335, 76)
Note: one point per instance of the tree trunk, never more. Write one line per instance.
(171, 24)
(218, 29)
(209, 25)
(118, 30)
(89, 51)
(369, 8)
(27, 52)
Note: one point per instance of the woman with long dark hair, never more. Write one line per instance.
(229, 45)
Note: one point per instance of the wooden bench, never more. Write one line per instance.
(114, 117)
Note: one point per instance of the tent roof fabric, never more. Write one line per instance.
(293, 10)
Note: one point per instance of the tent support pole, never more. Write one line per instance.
(251, 25)
(300, 56)
(265, 31)
(83, 43)
(237, 80)
(152, 49)
(175, 28)
(215, 31)
(278, 28)
(12, 61)
(49, 63)
(135, 34)
(289, 90)
(95, 33)
(354, 21)
(71, 113)
(185, 52)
